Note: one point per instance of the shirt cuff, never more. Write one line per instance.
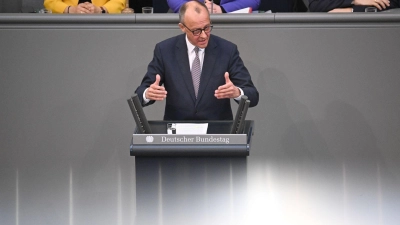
(145, 100)
(241, 94)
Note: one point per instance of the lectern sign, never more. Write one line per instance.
(191, 138)
(203, 139)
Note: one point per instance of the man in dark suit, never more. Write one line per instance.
(200, 72)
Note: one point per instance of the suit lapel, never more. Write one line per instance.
(181, 54)
(210, 58)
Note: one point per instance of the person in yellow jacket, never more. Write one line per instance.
(87, 7)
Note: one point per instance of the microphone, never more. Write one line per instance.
(238, 123)
(142, 124)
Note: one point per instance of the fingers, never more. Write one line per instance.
(227, 80)
(381, 4)
(208, 5)
(231, 91)
(86, 8)
(225, 88)
(377, 5)
(227, 84)
(228, 90)
(212, 7)
(158, 78)
(155, 94)
(82, 8)
(91, 8)
(155, 91)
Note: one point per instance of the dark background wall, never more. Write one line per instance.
(18, 6)
(31, 5)
(10, 6)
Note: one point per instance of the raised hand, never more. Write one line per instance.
(155, 91)
(228, 90)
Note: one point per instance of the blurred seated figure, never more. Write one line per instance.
(351, 5)
(127, 9)
(219, 6)
(160, 6)
(85, 6)
(282, 6)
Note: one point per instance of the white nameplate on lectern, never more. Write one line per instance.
(189, 139)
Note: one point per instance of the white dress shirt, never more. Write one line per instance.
(192, 54)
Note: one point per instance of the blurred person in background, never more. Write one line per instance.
(275, 6)
(351, 5)
(219, 6)
(85, 6)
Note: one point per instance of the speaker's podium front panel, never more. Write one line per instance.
(217, 142)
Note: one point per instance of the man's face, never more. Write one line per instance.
(195, 21)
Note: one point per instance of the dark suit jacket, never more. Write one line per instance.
(171, 62)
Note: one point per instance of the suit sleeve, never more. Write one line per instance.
(155, 67)
(240, 4)
(240, 77)
(328, 5)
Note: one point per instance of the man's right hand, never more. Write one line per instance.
(155, 91)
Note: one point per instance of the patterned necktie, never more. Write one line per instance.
(196, 71)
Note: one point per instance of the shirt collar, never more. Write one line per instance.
(191, 47)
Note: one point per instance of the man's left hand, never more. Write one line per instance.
(228, 90)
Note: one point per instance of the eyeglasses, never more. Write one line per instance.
(207, 29)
